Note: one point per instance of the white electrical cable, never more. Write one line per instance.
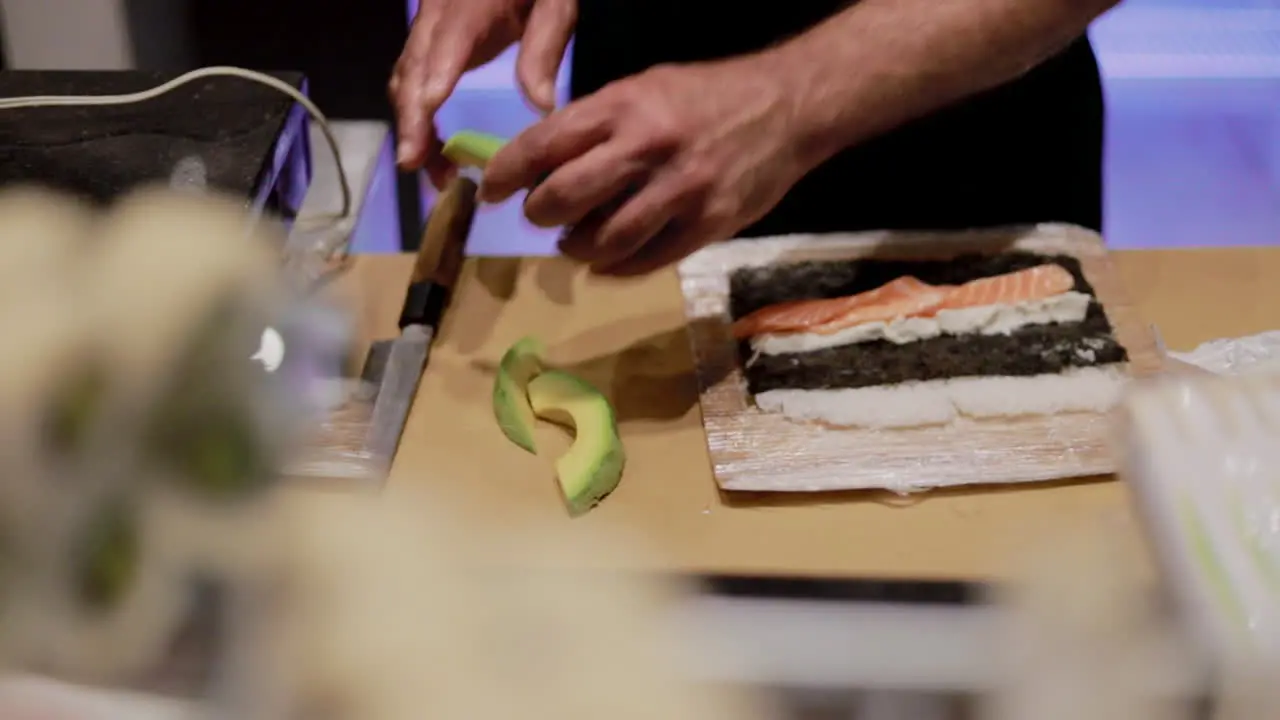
(185, 78)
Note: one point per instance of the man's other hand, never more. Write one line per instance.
(450, 37)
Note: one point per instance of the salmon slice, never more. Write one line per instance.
(904, 297)
(924, 302)
(1036, 283)
(803, 315)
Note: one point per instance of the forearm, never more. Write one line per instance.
(881, 63)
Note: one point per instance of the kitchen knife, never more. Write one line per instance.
(435, 273)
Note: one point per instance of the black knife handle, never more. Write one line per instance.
(424, 304)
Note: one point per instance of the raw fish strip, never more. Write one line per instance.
(924, 302)
(803, 314)
(1037, 283)
(904, 297)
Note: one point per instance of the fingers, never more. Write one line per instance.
(569, 194)
(546, 37)
(663, 224)
(555, 140)
(578, 241)
(434, 58)
(675, 242)
(405, 88)
(439, 170)
(637, 222)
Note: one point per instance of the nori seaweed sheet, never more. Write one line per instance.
(1031, 350)
(753, 288)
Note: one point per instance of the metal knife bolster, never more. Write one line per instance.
(424, 304)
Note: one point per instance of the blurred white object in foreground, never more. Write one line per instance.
(32, 698)
(1203, 456)
(140, 453)
(1084, 638)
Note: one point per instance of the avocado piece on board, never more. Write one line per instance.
(468, 148)
(593, 465)
(518, 366)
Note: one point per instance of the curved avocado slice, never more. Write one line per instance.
(593, 465)
(519, 365)
(472, 149)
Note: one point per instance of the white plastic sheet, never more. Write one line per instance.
(1202, 456)
(1236, 356)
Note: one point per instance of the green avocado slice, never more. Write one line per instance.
(472, 149)
(592, 467)
(518, 366)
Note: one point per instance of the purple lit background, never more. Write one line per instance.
(1193, 134)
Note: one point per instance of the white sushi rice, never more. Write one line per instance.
(938, 402)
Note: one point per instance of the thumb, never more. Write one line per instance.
(546, 35)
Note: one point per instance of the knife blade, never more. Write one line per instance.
(435, 273)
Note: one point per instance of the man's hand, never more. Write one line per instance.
(655, 166)
(450, 37)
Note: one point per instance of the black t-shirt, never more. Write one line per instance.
(1029, 151)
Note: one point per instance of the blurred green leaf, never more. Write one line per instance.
(108, 563)
(74, 409)
(217, 453)
(201, 429)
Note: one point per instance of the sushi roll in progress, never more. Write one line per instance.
(896, 343)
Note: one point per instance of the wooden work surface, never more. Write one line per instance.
(628, 337)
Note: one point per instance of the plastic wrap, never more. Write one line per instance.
(1235, 356)
(339, 407)
(333, 448)
(316, 253)
(1200, 451)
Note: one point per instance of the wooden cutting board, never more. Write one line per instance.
(629, 337)
(756, 451)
